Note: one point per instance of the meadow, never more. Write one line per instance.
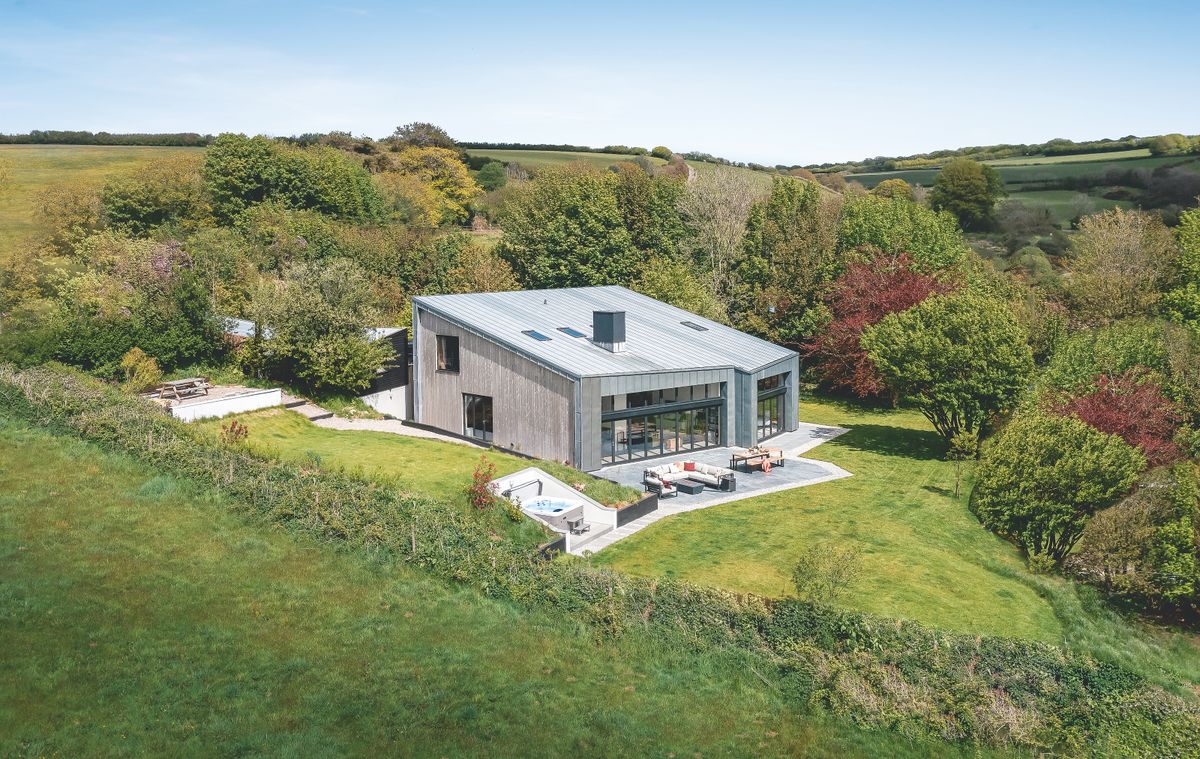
(1062, 204)
(924, 555)
(34, 168)
(536, 159)
(141, 617)
(1049, 170)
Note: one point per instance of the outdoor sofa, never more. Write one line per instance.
(716, 477)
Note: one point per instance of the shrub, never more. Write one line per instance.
(1134, 408)
(140, 371)
(823, 573)
(234, 433)
(1044, 476)
(479, 491)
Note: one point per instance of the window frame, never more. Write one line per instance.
(440, 354)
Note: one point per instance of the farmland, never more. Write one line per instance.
(536, 159)
(34, 168)
(1032, 171)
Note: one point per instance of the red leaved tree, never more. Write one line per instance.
(1135, 409)
(865, 294)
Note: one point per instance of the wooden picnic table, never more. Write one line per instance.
(756, 457)
(184, 388)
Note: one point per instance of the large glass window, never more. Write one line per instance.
(660, 422)
(447, 353)
(477, 417)
(772, 400)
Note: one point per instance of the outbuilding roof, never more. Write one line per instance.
(659, 337)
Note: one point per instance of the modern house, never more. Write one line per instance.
(594, 376)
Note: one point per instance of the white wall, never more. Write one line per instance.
(392, 402)
(233, 404)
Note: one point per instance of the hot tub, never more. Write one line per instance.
(553, 511)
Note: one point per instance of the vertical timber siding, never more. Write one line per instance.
(532, 406)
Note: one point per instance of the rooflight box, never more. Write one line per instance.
(571, 332)
(695, 326)
(535, 335)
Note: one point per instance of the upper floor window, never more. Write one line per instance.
(447, 353)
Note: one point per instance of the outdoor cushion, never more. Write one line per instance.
(689, 466)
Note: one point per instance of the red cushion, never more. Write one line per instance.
(689, 466)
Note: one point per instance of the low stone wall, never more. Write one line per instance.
(647, 505)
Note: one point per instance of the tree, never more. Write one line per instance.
(865, 294)
(1134, 408)
(676, 282)
(317, 315)
(1121, 263)
(961, 358)
(893, 188)
(1169, 144)
(968, 190)
(1182, 303)
(565, 228)
(492, 176)
(663, 152)
(422, 134)
(167, 191)
(649, 208)
(893, 225)
(715, 206)
(789, 255)
(428, 186)
(963, 447)
(1044, 476)
(1144, 549)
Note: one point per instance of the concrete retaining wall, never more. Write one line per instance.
(233, 404)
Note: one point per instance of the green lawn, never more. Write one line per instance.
(537, 159)
(925, 557)
(141, 617)
(33, 168)
(1019, 174)
(1038, 160)
(430, 467)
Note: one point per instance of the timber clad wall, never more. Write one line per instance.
(532, 406)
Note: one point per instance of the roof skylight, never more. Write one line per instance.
(695, 326)
(535, 335)
(570, 331)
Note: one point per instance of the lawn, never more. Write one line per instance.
(141, 617)
(1038, 160)
(420, 465)
(925, 557)
(33, 168)
(537, 159)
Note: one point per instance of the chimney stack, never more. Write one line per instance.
(608, 330)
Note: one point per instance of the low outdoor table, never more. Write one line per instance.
(691, 487)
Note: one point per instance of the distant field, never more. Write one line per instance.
(33, 168)
(1061, 203)
(1117, 155)
(536, 159)
(1025, 173)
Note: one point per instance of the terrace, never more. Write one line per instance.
(797, 472)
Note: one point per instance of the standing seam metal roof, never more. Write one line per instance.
(656, 340)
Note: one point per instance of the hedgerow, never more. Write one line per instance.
(883, 673)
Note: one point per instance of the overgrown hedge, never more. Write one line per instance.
(885, 673)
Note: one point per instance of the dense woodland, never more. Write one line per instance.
(1072, 378)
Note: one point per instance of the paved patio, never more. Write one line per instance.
(797, 472)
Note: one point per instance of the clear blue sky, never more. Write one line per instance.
(772, 82)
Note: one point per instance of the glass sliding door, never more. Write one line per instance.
(477, 417)
(660, 423)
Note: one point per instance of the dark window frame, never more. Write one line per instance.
(478, 423)
(442, 357)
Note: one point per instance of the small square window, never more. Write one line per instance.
(447, 353)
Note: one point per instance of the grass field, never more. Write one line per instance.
(1039, 160)
(1026, 173)
(536, 159)
(33, 168)
(431, 467)
(1061, 203)
(925, 557)
(139, 617)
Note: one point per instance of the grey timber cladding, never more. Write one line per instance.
(532, 405)
(656, 339)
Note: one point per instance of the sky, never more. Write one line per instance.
(768, 82)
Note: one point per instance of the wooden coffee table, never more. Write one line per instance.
(691, 487)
